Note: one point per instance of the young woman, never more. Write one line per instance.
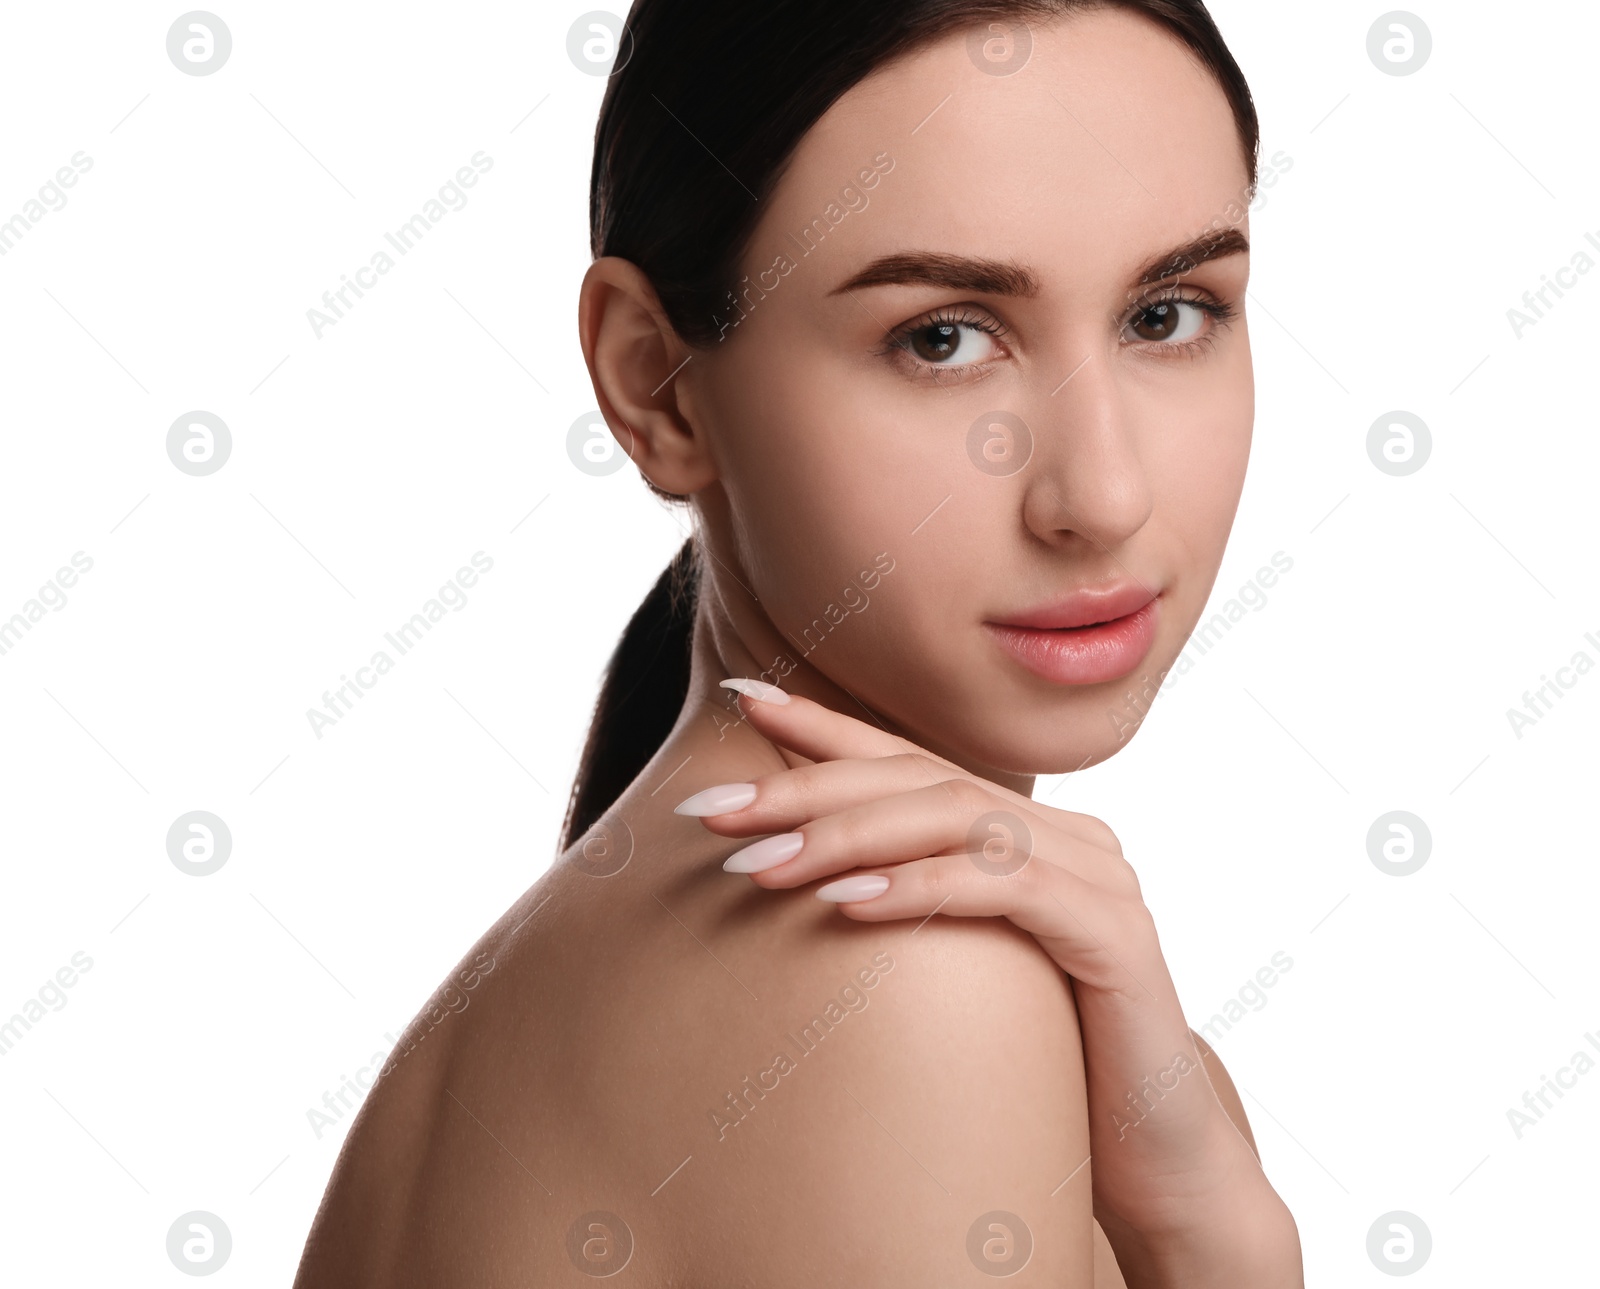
(932, 315)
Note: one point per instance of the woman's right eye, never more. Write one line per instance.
(952, 344)
(949, 342)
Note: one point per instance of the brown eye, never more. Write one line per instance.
(936, 343)
(950, 343)
(1165, 323)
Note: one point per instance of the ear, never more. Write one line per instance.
(633, 355)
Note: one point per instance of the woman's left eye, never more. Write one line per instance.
(1174, 322)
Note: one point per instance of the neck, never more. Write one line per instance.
(734, 637)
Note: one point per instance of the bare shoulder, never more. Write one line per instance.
(915, 1088)
(961, 1101)
(759, 1089)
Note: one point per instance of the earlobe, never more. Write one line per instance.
(634, 355)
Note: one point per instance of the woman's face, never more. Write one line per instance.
(949, 368)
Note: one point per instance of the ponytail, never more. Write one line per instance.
(641, 695)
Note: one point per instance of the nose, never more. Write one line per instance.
(1086, 482)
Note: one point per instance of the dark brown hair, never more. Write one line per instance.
(708, 103)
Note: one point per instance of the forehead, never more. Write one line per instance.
(1111, 137)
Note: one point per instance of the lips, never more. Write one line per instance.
(1090, 636)
(1084, 608)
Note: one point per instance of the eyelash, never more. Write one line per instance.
(1220, 312)
(896, 343)
(946, 317)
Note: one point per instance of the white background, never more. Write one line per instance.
(370, 463)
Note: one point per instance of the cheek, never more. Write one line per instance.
(822, 469)
(1198, 462)
(800, 508)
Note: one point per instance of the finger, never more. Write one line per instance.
(788, 798)
(1092, 934)
(822, 734)
(829, 737)
(951, 817)
(809, 728)
(804, 726)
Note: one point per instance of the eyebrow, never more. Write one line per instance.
(1212, 245)
(1004, 277)
(933, 268)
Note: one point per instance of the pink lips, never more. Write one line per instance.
(1089, 637)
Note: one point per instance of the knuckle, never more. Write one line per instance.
(941, 877)
(1031, 882)
(920, 762)
(848, 836)
(1102, 835)
(787, 792)
(1127, 880)
(1135, 920)
(966, 796)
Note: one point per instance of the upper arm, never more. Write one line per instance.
(939, 1123)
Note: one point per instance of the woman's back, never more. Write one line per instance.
(673, 1070)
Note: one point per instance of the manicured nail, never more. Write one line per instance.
(758, 689)
(714, 801)
(769, 852)
(847, 889)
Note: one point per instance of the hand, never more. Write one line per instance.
(1170, 1171)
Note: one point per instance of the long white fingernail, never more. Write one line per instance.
(769, 852)
(716, 800)
(758, 689)
(847, 889)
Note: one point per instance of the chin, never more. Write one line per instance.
(1057, 747)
